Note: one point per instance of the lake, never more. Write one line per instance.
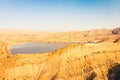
(36, 47)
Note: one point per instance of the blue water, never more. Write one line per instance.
(36, 47)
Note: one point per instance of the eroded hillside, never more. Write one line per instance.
(91, 36)
(90, 55)
(73, 62)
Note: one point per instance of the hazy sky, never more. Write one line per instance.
(59, 15)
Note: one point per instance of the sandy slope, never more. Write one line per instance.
(74, 62)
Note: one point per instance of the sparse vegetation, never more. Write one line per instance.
(78, 61)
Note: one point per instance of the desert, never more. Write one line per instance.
(59, 39)
(87, 54)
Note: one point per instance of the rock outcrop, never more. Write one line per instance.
(117, 40)
(114, 72)
(116, 31)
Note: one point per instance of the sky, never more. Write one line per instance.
(59, 15)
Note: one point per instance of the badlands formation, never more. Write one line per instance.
(89, 55)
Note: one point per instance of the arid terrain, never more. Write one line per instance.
(89, 54)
